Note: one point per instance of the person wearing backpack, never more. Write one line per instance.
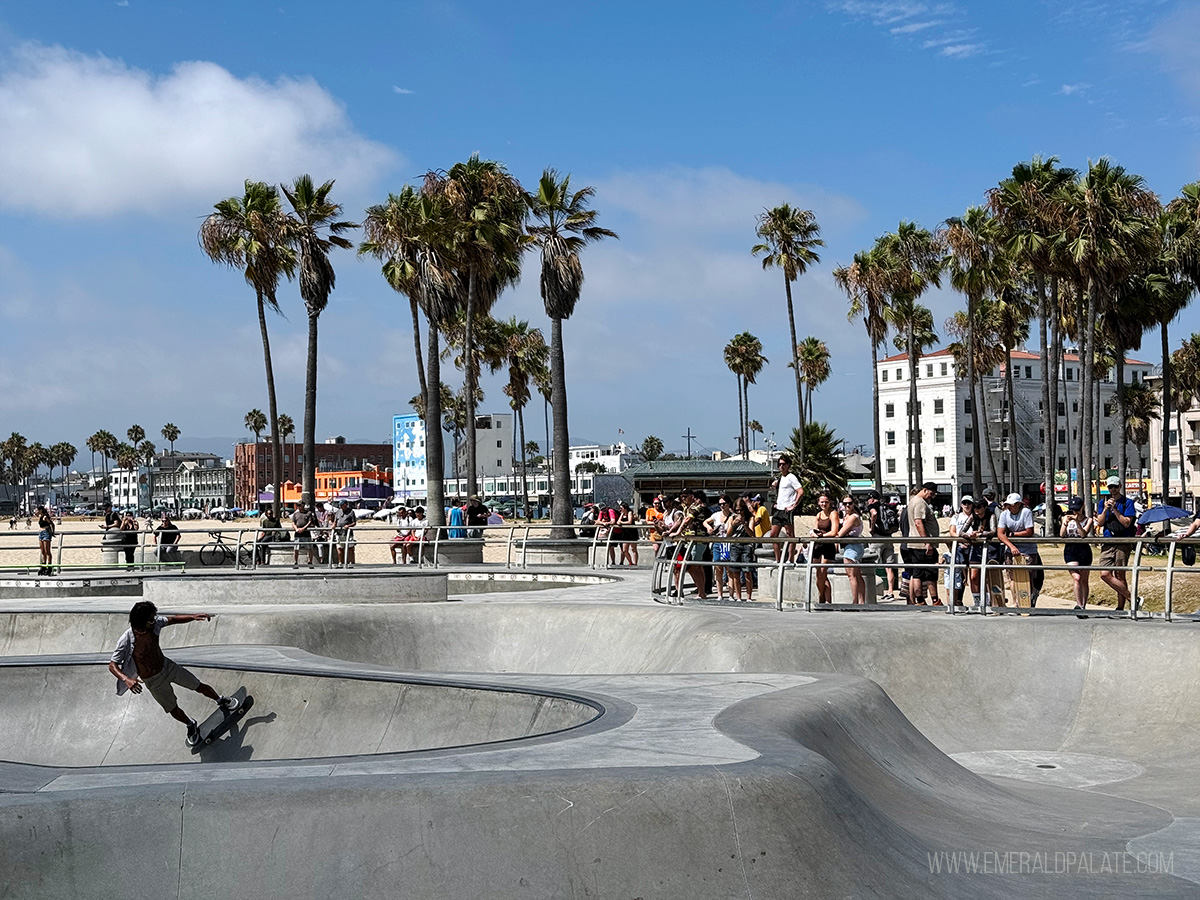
(884, 522)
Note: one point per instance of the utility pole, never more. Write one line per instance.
(688, 437)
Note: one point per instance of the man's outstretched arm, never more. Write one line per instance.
(188, 617)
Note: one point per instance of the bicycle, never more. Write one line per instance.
(218, 553)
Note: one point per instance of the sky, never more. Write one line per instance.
(122, 123)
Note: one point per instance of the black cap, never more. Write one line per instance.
(929, 486)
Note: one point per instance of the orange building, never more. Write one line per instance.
(252, 464)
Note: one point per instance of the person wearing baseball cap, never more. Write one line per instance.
(1117, 517)
(1016, 521)
(1078, 524)
(922, 558)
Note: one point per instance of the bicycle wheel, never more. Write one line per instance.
(245, 555)
(214, 554)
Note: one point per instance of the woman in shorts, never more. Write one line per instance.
(852, 552)
(827, 524)
(627, 535)
(1078, 524)
(45, 536)
(979, 531)
(741, 553)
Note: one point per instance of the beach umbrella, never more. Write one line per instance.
(383, 514)
(1162, 514)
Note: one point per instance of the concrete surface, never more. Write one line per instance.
(739, 752)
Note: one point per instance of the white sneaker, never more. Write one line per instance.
(193, 735)
(229, 704)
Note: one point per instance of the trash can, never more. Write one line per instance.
(112, 542)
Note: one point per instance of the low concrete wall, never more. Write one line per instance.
(311, 586)
(794, 581)
(552, 553)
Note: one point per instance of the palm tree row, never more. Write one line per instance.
(451, 246)
(1092, 257)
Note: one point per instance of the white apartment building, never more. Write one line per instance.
(614, 457)
(129, 488)
(191, 480)
(1180, 491)
(493, 446)
(944, 401)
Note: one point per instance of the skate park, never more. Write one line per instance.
(516, 732)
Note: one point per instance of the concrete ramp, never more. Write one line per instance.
(69, 715)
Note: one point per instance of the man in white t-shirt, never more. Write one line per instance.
(787, 500)
(1016, 521)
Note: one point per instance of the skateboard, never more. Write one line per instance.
(1022, 589)
(220, 721)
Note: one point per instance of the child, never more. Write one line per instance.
(139, 660)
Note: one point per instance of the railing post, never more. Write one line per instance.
(985, 588)
(59, 535)
(525, 543)
(512, 530)
(437, 537)
(953, 569)
(1133, 588)
(1167, 602)
(808, 577)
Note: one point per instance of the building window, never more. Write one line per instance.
(499, 464)
(970, 465)
(889, 410)
(945, 369)
(1016, 373)
(929, 370)
(1107, 410)
(1029, 372)
(891, 466)
(1172, 437)
(939, 435)
(1005, 467)
(499, 445)
(1062, 408)
(1062, 437)
(891, 438)
(1070, 374)
(967, 405)
(1107, 436)
(939, 463)
(1062, 462)
(969, 435)
(1133, 377)
(1108, 462)
(1142, 463)
(1074, 406)
(939, 406)
(899, 374)
(884, 375)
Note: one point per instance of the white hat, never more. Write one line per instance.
(1013, 499)
(1113, 479)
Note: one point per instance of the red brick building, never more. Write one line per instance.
(252, 464)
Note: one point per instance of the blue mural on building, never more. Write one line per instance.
(408, 461)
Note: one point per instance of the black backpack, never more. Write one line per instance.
(903, 523)
(889, 522)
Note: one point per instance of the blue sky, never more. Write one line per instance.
(122, 123)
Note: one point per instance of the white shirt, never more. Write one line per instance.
(961, 522)
(404, 526)
(1019, 522)
(789, 488)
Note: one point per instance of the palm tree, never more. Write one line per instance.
(1012, 309)
(911, 262)
(1142, 407)
(789, 241)
(743, 355)
(823, 466)
(313, 230)
(1181, 262)
(13, 449)
(972, 259)
(862, 283)
(96, 445)
(488, 208)
(287, 426)
(170, 434)
(982, 331)
(255, 421)
(566, 226)
(652, 448)
(1184, 390)
(1135, 310)
(754, 427)
(1111, 226)
(1029, 207)
(525, 352)
(107, 447)
(250, 233)
(813, 356)
(413, 234)
(65, 454)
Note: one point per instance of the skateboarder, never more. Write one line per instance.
(139, 660)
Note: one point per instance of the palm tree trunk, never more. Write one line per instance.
(549, 459)
(412, 303)
(1123, 446)
(797, 464)
(435, 460)
(561, 509)
(1072, 486)
(972, 381)
(276, 447)
(916, 463)
(1052, 375)
(875, 418)
(1047, 411)
(746, 406)
(1014, 458)
(1182, 460)
(308, 473)
(1086, 343)
(469, 364)
(741, 416)
(1166, 419)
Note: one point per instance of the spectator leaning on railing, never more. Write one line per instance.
(1117, 517)
(1017, 522)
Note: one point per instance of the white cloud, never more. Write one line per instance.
(914, 27)
(1068, 90)
(88, 136)
(400, 90)
(887, 12)
(1174, 42)
(961, 51)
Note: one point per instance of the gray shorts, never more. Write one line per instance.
(885, 553)
(160, 688)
